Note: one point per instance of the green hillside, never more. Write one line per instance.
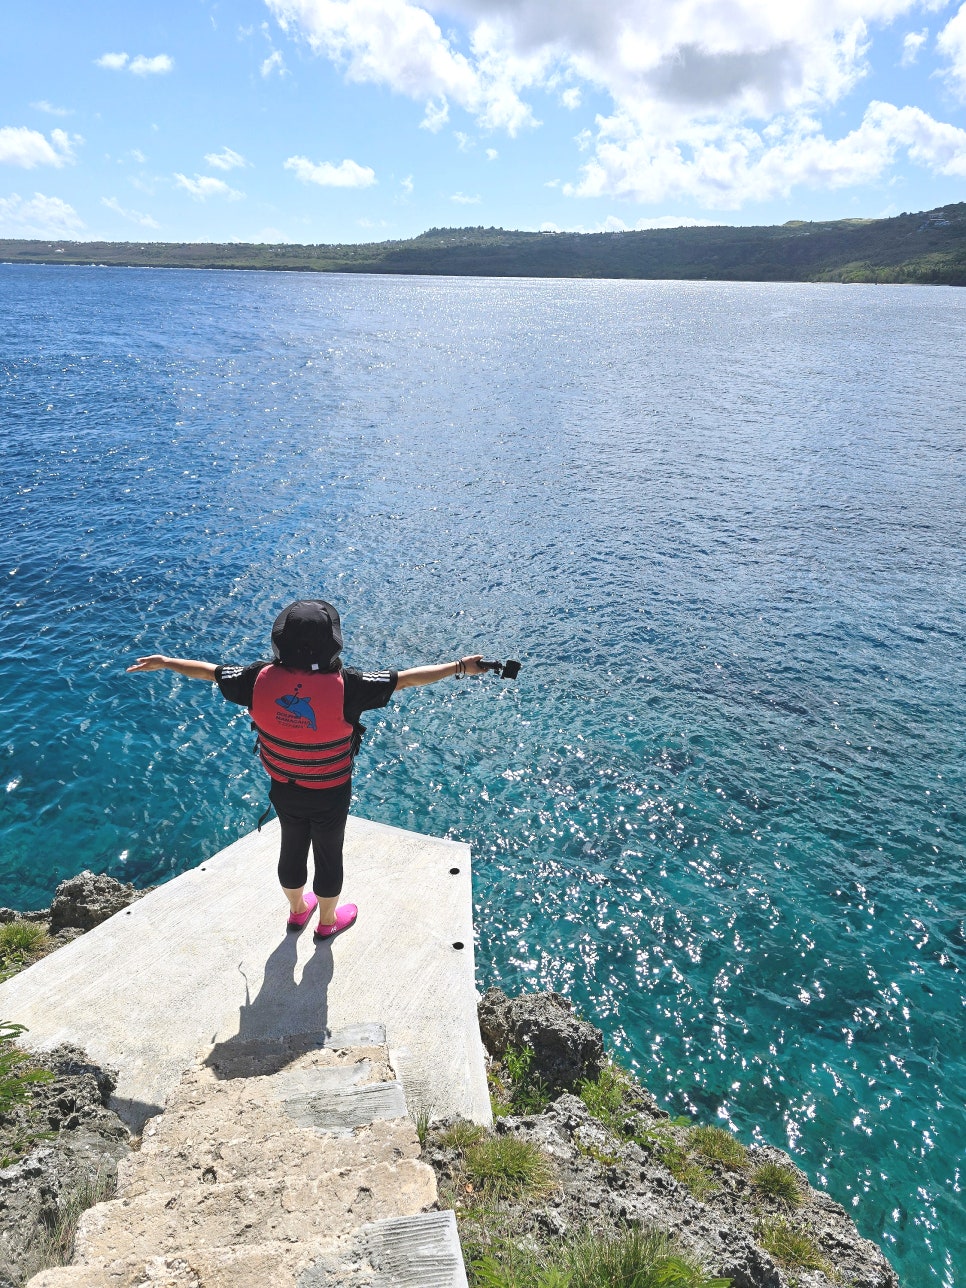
(926, 247)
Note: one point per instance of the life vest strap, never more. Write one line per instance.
(302, 746)
(307, 762)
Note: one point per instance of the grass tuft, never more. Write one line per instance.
(20, 943)
(461, 1135)
(420, 1115)
(718, 1146)
(55, 1244)
(775, 1181)
(791, 1245)
(635, 1259)
(505, 1166)
(606, 1095)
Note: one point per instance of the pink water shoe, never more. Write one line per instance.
(344, 917)
(298, 919)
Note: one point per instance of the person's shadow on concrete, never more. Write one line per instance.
(285, 1018)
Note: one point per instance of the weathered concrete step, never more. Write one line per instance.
(261, 1057)
(325, 1100)
(354, 1064)
(223, 1158)
(254, 1212)
(413, 1252)
(408, 1252)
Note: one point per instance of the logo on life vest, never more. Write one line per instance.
(299, 708)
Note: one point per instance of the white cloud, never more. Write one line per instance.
(113, 62)
(407, 185)
(135, 216)
(140, 66)
(38, 216)
(951, 43)
(29, 148)
(462, 199)
(400, 44)
(347, 174)
(138, 156)
(491, 154)
(912, 42)
(50, 109)
(274, 63)
(463, 141)
(226, 159)
(156, 66)
(614, 224)
(203, 186)
(435, 116)
(723, 169)
(719, 102)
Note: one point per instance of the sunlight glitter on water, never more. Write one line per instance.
(721, 526)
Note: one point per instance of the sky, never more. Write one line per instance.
(367, 120)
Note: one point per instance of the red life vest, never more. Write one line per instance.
(303, 735)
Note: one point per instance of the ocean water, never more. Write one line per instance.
(721, 526)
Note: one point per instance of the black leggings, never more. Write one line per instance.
(311, 815)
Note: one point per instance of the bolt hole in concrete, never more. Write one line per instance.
(458, 944)
(453, 872)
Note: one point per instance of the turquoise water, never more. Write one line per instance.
(720, 524)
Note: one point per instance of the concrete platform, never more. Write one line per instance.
(205, 961)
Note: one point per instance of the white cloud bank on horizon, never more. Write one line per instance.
(28, 148)
(38, 216)
(347, 174)
(203, 186)
(139, 65)
(719, 103)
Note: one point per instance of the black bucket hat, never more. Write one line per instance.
(307, 635)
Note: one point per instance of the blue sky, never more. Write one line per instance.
(361, 120)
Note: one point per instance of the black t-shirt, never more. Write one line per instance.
(364, 690)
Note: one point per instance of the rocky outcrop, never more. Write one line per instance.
(84, 901)
(78, 1153)
(634, 1165)
(80, 903)
(565, 1049)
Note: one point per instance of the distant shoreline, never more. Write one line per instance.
(924, 248)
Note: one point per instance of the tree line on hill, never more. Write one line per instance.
(925, 247)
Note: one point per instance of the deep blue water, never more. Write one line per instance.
(721, 524)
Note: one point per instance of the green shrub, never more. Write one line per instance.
(791, 1245)
(515, 1088)
(635, 1259)
(506, 1166)
(606, 1097)
(17, 1079)
(718, 1146)
(775, 1181)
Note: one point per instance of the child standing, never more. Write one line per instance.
(306, 708)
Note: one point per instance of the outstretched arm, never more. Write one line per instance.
(181, 666)
(430, 674)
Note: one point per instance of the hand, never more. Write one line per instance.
(156, 662)
(471, 665)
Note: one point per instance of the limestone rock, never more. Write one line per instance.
(565, 1048)
(84, 901)
(84, 1141)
